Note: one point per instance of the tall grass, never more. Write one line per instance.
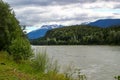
(42, 63)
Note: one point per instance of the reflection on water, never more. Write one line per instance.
(97, 62)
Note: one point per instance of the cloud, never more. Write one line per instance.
(46, 2)
(52, 2)
(65, 12)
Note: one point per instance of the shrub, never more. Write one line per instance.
(20, 49)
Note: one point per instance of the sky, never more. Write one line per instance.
(34, 13)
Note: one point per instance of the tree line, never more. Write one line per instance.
(81, 35)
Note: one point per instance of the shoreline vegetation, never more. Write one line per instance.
(80, 35)
(39, 67)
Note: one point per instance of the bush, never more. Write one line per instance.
(20, 49)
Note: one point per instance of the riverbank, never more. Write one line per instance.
(27, 70)
(11, 70)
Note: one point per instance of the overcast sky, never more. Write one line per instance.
(65, 12)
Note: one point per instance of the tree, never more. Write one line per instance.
(8, 24)
(11, 34)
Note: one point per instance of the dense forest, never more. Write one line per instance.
(81, 35)
(12, 37)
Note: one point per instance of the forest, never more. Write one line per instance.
(81, 35)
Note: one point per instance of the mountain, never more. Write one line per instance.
(42, 31)
(103, 23)
(80, 35)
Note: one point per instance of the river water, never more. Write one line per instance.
(96, 62)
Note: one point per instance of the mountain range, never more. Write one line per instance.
(42, 31)
(103, 23)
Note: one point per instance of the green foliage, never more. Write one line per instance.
(20, 49)
(25, 71)
(117, 77)
(9, 26)
(12, 37)
(81, 35)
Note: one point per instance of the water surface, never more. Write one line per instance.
(96, 62)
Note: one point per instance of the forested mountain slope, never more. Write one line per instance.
(81, 35)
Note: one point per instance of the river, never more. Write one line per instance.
(96, 62)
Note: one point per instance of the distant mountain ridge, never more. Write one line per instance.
(42, 31)
(103, 23)
(80, 35)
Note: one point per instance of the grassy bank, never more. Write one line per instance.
(10, 70)
(41, 67)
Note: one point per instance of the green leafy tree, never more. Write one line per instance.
(9, 26)
(12, 38)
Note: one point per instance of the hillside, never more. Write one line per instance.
(103, 23)
(41, 32)
(80, 35)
